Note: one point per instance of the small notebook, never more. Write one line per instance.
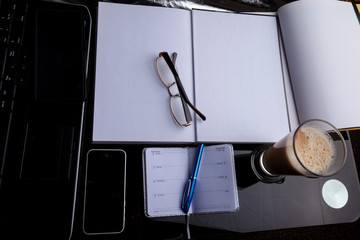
(166, 171)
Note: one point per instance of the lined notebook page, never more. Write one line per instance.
(166, 171)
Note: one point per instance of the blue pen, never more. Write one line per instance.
(190, 185)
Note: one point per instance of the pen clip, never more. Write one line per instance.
(198, 154)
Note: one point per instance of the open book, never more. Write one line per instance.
(252, 83)
(166, 171)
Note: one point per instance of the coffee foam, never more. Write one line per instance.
(314, 149)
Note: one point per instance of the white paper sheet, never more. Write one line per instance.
(131, 103)
(321, 41)
(238, 78)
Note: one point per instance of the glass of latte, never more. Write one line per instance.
(315, 149)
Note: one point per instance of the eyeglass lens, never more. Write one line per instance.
(168, 79)
(177, 110)
(164, 71)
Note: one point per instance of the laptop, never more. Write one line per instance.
(44, 50)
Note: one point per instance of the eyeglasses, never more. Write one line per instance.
(179, 102)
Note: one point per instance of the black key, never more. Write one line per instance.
(6, 98)
(2, 60)
(4, 31)
(4, 123)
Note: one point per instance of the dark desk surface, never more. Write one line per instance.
(140, 227)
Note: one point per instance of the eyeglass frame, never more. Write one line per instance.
(185, 107)
(182, 94)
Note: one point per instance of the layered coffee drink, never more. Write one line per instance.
(314, 149)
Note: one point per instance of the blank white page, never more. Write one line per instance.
(238, 78)
(131, 103)
(321, 41)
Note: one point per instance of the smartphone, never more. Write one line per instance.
(104, 198)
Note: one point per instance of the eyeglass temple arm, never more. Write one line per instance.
(186, 109)
(202, 116)
(180, 86)
(183, 102)
(185, 97)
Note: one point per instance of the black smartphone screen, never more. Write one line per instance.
(104, 206)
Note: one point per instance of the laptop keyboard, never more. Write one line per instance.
(13, 63)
